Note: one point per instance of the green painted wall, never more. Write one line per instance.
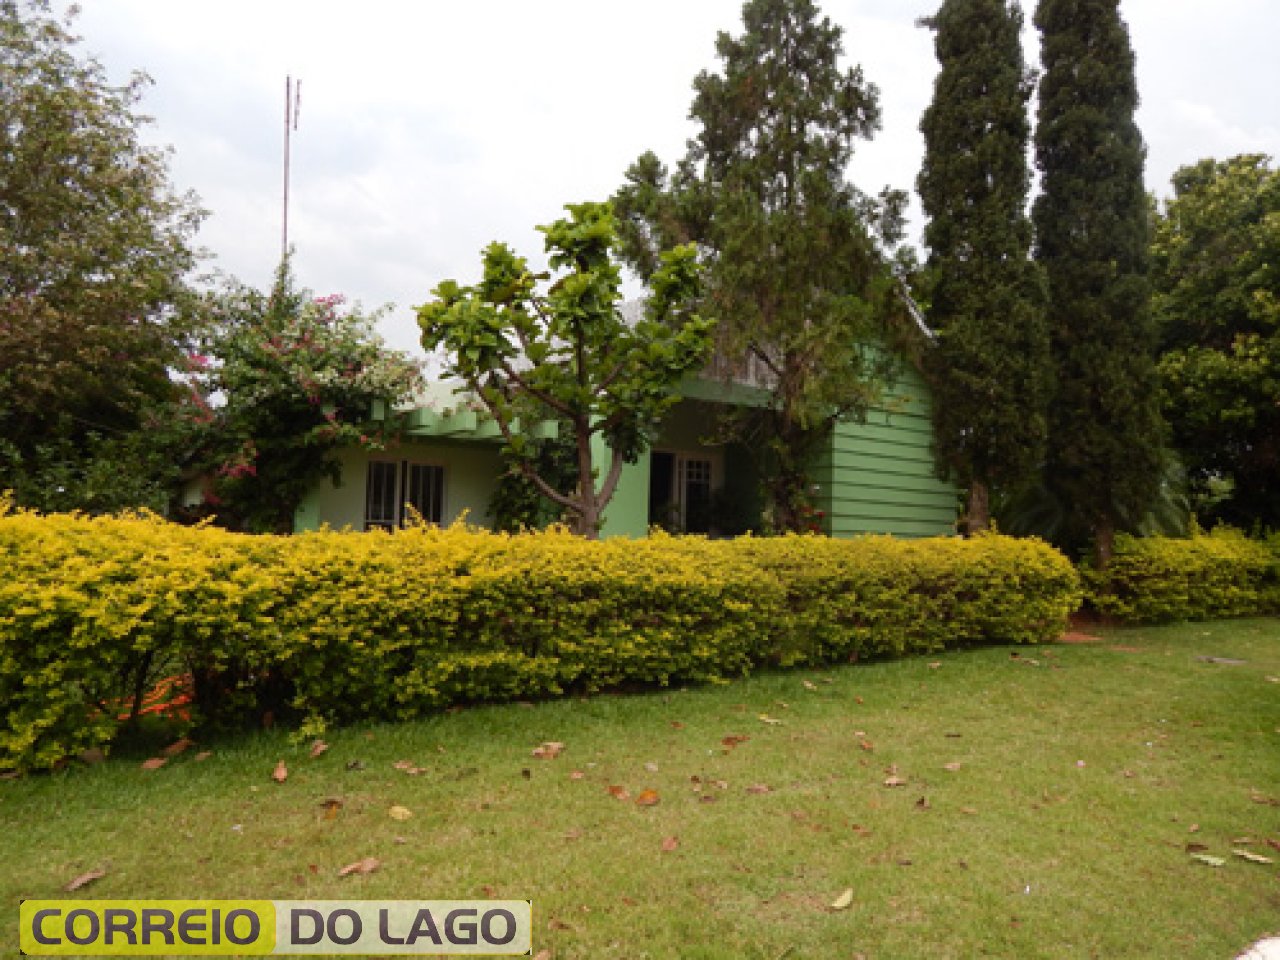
(470, 478)
(628, 512)
(878, 476)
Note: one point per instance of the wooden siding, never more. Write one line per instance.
(878, 476)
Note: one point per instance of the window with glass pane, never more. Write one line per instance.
(380, 509)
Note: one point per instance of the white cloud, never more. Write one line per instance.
(429, 129)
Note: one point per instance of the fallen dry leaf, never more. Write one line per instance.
(554, 924)
(922, 803)
(895, 781)
(677, 725)
(1195, 848)
(619, 792)
(155, 763)
(1194, 828)
(577, 775)
(84, 879)
(651, 767)
(867, 745)
(331, 807)
(670, 844)
(367, 865)
(809, 685)
(1211, 861)
(935, 665)
(953, 767)
(647, 798)
(1252, 857)
(281, 772)
(733, 739)
(318, 748)
(759, 788)
(399, 813)
(765, 718)
(175, 748)
(844, 901)
(1274, 844)
(549, 750)
(202, 756)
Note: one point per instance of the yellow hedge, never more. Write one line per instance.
(340, 626)
(1218, 574)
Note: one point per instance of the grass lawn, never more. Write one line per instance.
(1048, 798)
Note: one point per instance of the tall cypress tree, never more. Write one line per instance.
(990, 371)
(1092, 232)
(796, 273)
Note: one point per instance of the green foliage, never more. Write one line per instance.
(795, 276)
(989, 371)
(1217, 299)
(1092, 230)
(337, 627)
(568, 355)
(1154, 579)
(93, 250)
(285, 380)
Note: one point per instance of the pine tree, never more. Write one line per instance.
(1092, 231)
(989, 371)
(795, 275)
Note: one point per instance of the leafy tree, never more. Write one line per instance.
(284, 381)
(568, 355)
(1216, 273)
(1092, 230)
(94, 246)
(794, 274)
(990, 368)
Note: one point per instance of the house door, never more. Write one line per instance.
(680, 488)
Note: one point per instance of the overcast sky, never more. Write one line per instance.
(428, 129)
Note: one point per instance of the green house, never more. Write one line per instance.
(871, 476)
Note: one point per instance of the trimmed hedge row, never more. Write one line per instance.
(1218, 574)
(341, 626)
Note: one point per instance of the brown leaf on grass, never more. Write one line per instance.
(733, 739)
(542, 955)
(670, 844)
(554, 924)
(867, 745)
(677, 725)
(155, 763)
(844, 901)
(367, 865)
(772, 721)
(549, 750)
(1274, 844)
(1257, 796)
(317, 748)
(708, 798)
(895, 781)
(202, 756)
(281, 773)
(935, 664)
(647, 798)
(618, 792)
(1195, 848)
(489, 890)
(1252, 857)
(331, 807)
(576, 775)
(1194, 828)
(759, 788)
(177, 747)
(399, 813)
(84, 879)
(953, 767)
(809, 685)
(922, 803)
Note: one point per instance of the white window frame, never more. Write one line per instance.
(396, 512)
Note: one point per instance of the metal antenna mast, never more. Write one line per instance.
(292, 104)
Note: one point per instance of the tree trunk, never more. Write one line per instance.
(1104, 542)
(978, 517)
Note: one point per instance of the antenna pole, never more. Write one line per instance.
(292, 104)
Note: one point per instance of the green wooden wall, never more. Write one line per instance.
(878, 476)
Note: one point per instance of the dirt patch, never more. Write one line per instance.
(1074, 636)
